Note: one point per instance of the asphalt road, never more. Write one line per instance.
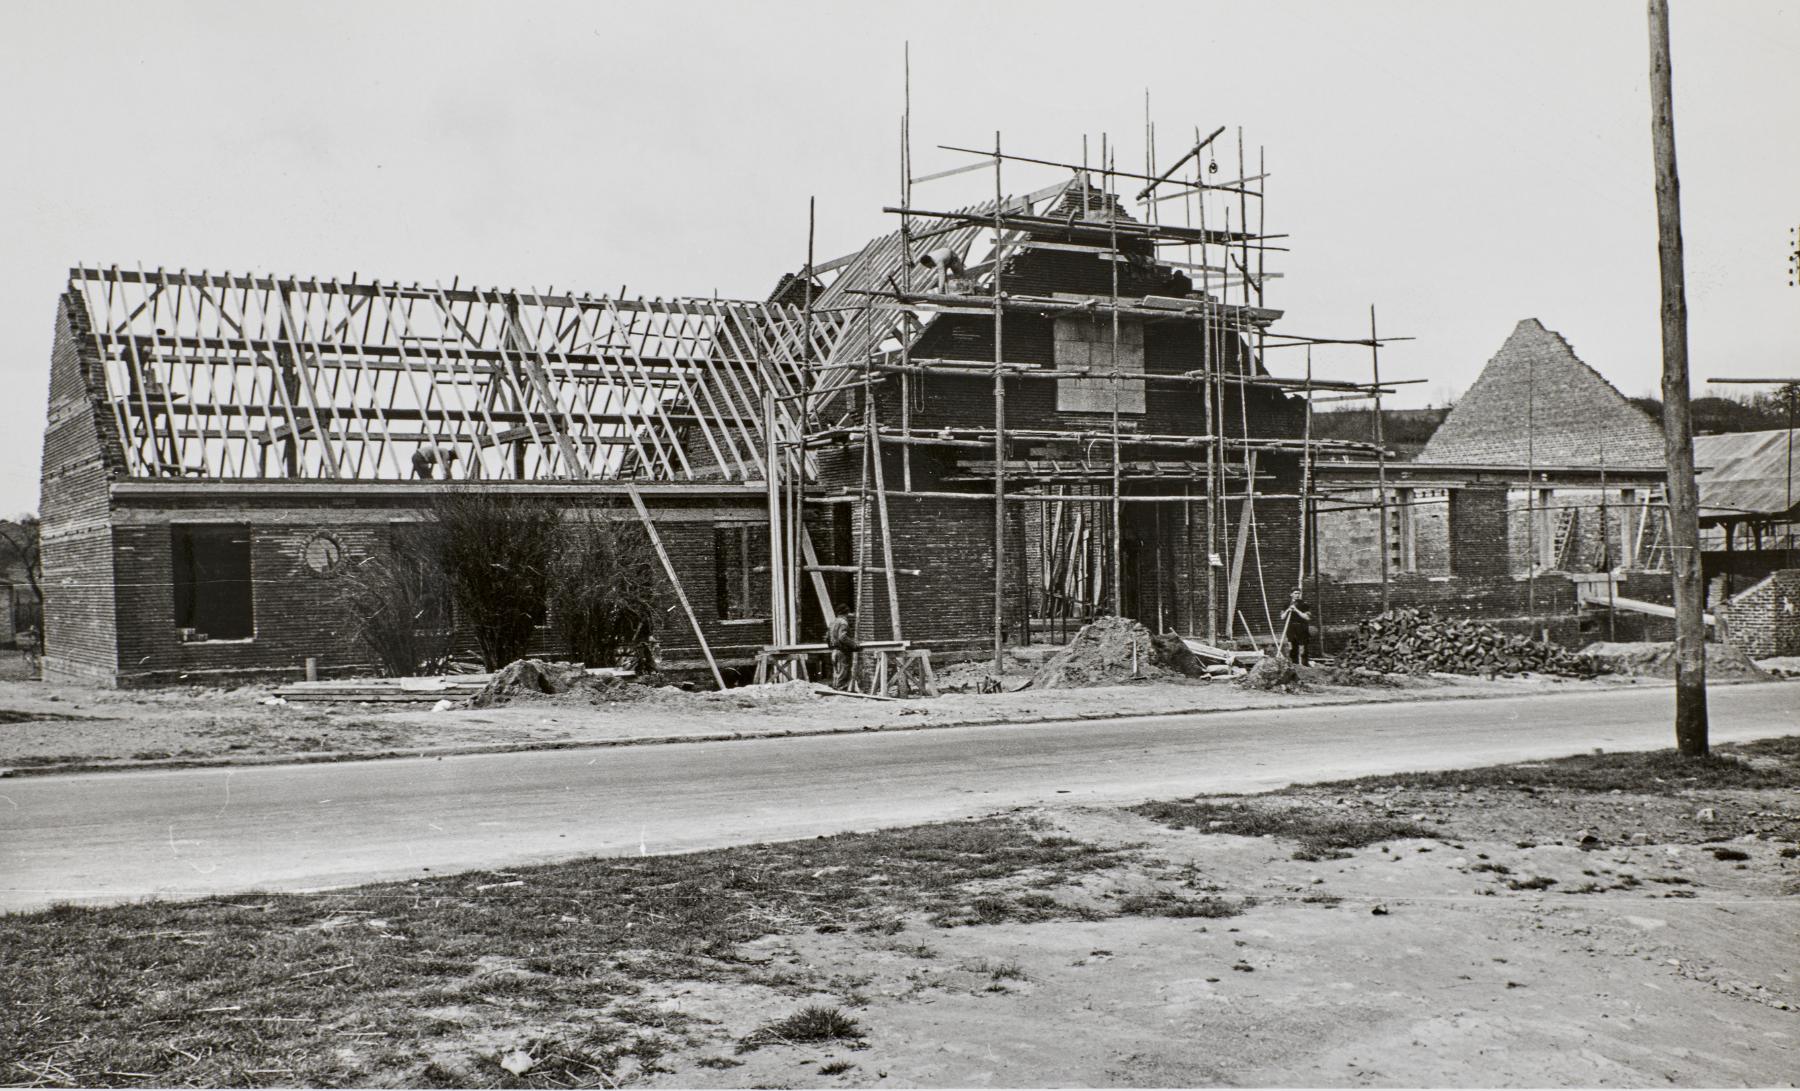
(180, 834)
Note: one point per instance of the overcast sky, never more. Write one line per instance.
(1459, 166)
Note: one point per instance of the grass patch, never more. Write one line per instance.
(1536, 882)
(1164, 903)
(16, 716)
(1767, 763)
(814, 1023)
(214, 993)
(1323, 835)
(1004, 909)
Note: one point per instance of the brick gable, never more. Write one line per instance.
(1536, 402)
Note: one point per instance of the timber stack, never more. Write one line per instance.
(1406, 640)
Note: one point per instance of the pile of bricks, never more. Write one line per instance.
(1412, 641)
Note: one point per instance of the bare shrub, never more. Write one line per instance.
(497, 551)
(398, 607)
(608, 590)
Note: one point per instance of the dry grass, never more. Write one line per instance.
(399, 983)
(1321, 835)
(1767, 763)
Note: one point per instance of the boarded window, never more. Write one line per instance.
(212, 581)
(1085, 342)
(739, 549)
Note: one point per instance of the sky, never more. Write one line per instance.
(1457, 166)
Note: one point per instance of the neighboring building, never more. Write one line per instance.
(1543, 485)
(1749, 493)
(1537, 404)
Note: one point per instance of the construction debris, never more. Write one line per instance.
(1111, 651)
(1650, 659)
(1271, 672)
(528, 677)
(1406, 640)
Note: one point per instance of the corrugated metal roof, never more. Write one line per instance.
(1745, 473)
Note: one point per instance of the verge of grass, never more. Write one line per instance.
(1322, 835)
(1766, 763)
(260, 989)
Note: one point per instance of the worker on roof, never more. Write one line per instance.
(428, 458)
(840, 637)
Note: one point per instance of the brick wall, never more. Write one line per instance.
(81, 455)
(1765, 620)
(298, 613)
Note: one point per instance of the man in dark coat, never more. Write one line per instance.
(840, 637)
(1296, 633)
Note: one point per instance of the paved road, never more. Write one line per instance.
(120, 836)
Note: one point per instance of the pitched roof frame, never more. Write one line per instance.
(222, 376)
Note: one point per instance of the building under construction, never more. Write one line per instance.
(987, 426)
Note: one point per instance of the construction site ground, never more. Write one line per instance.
(1605, 920)
(63, 727)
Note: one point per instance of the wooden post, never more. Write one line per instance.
(643, 513)
(999, 431)
(1678, 440)
(887, 540)
(1380, 454)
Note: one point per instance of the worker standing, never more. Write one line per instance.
(840, 637)
(1296, 633)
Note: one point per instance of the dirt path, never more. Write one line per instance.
(190, 833)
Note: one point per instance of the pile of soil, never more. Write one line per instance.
(528, 678)
(1406, 640)
(1271, 672)
(1109, 652)
(1653, 659)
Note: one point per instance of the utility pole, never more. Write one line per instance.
(1678, 438)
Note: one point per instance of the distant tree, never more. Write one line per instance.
(608, 589)
(1760, 412)
(21, 547)
(497, 551)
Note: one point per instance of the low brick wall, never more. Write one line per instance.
(1764, 621)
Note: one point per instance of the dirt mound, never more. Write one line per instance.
(1411, 641)
(1654, 659)
(528, 678)
(1106, 652)
(1270, 672)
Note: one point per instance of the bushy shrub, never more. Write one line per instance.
(497, 552)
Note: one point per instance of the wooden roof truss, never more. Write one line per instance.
(231, 377)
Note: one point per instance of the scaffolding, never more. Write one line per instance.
(958, 263)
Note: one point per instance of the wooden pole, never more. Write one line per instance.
(887, 540)
(1678, 440)
(1380, 454)
(643, 513)
(999, 431)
